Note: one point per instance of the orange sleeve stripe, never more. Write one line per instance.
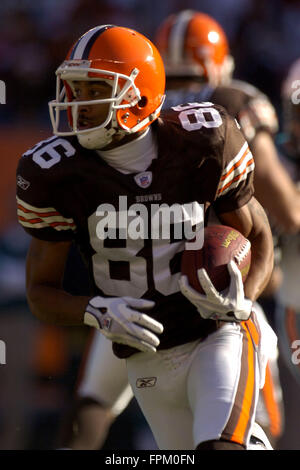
(271, 404)
(55, 224)
(38, 221)
(44, 214)
(247, 403)
(31, 221)
(236, 178)
(236, 165)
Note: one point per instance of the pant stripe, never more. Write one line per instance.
(271, 404)
(253, 328)
(239, 422)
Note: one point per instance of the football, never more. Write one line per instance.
(221, 244)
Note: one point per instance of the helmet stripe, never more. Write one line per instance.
(82, 48)
(177, 36)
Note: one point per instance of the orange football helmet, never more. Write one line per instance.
(132, 66)
(194, 44)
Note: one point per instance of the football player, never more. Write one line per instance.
(287, 314)
(195, 362)
(199, 68)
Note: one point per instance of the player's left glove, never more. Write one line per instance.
(228, 305)
(121, 321)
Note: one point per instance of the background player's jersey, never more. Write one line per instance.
(247, 104)
(64, 192)
(289, 293)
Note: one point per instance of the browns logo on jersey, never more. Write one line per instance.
(202, 159)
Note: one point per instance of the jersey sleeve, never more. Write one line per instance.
(38, 206)
(249, 106)
(235, 187)
(258, 115)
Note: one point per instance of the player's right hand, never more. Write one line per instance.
(120, 320)
(229, 305)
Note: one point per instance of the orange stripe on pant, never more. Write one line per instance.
(253, 329)
(271, 404)
(239, 422)
(242, 427)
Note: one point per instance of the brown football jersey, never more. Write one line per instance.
(65, 192)
(246, 103)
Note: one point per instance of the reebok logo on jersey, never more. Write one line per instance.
(22, 183)
(146, 382)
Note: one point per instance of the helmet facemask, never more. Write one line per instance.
(124, 95)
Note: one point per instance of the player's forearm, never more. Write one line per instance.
(262, 259)
(281, 203)
(53, 305)
(253, 223)
(274, 188)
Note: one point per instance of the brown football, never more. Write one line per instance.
(221, 244)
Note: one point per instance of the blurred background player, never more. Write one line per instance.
(199, 68)
(287, 312)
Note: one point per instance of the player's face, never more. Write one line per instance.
(91, 115)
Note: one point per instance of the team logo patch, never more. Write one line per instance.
(146, 382)
(144, 179)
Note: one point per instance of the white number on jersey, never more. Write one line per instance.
(198, 112)
(45, 154)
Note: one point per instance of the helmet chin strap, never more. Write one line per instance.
(96, 139)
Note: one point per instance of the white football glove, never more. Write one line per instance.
(228, 305)
(122, 324)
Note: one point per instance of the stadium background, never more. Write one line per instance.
(37, 380)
